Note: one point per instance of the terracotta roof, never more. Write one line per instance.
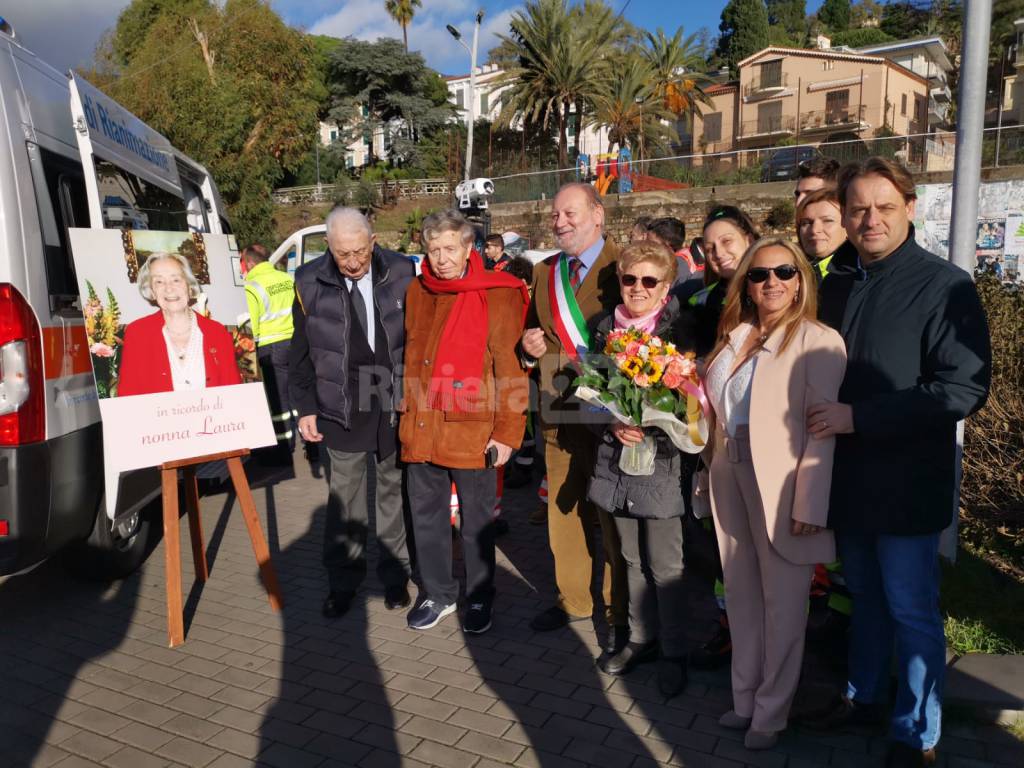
(831, 54)
(721, 88)
(813, 53)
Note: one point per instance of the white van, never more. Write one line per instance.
(308, 244)
(70, 157)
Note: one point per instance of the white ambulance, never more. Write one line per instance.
(70, 157)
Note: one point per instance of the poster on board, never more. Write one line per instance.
(175, 371)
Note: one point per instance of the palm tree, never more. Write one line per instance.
(403, 11)
(563, 58)
(632, 110)
(674, 62)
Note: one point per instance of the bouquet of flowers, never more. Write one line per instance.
(104, 332)
(646, 382)
(245, 354)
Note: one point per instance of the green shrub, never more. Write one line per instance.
(993, 480)
(781, 215)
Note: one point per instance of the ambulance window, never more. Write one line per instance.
(195, 207)
(313, 247)
(62, 203)
(132, 203)
(225, 227)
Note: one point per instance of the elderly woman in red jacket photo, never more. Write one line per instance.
(175, 348)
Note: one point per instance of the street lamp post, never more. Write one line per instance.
(472, 84)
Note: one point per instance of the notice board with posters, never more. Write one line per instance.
(999, 242)
(164, 397)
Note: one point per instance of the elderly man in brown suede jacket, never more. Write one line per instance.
(464, 412)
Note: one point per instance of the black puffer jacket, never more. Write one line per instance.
(318, 380)
(659, 495)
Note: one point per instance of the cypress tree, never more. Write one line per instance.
(744, 31)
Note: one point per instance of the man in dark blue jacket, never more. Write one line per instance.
(346, 358)
(918, 361)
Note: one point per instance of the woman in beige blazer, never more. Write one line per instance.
(769, 480)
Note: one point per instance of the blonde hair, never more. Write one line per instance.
(737, 310)
(652, 253)
(145, 279)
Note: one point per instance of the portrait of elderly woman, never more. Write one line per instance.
(175, 348)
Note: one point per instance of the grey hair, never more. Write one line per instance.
(589, 191)
(437, 224)
(342, 217)
(145, 279)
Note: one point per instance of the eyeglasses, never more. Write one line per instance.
(783, 272)
(647, 281)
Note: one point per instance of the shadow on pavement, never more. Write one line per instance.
(331, 700)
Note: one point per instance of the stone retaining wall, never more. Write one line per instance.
(532, 219)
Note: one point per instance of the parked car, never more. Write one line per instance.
(308, 244)
(784, 163)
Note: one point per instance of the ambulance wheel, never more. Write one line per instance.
(115, 553)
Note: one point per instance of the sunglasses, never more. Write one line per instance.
(783, 272)
(647, 281)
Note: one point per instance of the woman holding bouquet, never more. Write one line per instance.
(647, 509)
(772, 362)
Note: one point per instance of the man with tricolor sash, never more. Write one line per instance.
(569, 290)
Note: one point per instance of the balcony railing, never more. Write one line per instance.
(768, 126)
(830, 119)
(761, 85)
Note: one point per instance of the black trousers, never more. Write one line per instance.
(273, 360)
(348, 520)
(430, 491)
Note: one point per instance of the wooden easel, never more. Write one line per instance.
(172, 539)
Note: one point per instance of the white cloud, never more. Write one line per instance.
(63, 33)
(367, 20)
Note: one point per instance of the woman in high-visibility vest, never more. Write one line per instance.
(727, 234)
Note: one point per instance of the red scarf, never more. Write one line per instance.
(459, 360)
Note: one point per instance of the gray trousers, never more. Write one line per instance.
(653, 551)
(348, 520)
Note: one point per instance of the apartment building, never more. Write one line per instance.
(811, 97)
(929, 58)
(1011, 100)
(486, 99)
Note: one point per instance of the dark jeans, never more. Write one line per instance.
(894, 582)
(430, 492)
(273, 360)
(347, 522)
(653, 551)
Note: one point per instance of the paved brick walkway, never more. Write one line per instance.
(86, 678)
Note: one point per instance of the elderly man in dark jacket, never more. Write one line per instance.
(919, 361)
(345, 362)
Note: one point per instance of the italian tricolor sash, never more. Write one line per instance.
(569, 323)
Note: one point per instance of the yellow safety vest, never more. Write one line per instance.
(269, 293)
(700, 298)
(822, 265)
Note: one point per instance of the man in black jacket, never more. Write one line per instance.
(918, 361)
(346, 358)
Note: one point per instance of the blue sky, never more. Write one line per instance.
(367, 19)
(65, 32)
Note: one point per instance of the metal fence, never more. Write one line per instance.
(401, 188)
(919, 153)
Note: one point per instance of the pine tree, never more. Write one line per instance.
(744, 29)
(835, 14)
(790, 15)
